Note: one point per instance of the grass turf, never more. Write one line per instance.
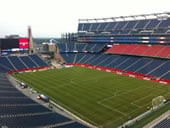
(101, 98)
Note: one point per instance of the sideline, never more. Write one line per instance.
(29, 92)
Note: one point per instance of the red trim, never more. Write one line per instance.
(125, 73)
(106, 69)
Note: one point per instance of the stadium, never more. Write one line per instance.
(112, 73)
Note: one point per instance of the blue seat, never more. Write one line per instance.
(18, 111)
(161, 70)
(6, 64)
(37, 60)
(17, 62)
(33, 120)
(28, 61)
(163, 124)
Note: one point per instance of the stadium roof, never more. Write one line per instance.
(127, 18)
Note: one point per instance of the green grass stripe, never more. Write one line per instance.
(101, 98)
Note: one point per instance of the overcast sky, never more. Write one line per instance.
(50, 18)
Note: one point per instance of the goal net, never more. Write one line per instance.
(157, 101)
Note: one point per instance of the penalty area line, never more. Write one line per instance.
(112, 109)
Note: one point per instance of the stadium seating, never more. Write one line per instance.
(3, 69)
(28, 61)
(143, 65)
(18, 64)
(143, 24)
(5, 63)
(17, 110)
(140, 44)
(10, 63)
(142, 50)
(163, 124)
(69, 57)
(36, 59)
(80, 47)
(128, 29)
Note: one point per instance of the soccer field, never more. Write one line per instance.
(101, 98)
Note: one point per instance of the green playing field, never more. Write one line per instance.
(101, 98)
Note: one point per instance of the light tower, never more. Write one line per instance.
(31, 43)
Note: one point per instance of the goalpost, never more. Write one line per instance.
(157, 101)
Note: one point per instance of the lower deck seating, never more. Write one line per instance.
(19, 111)
(16, 62)
(5, 64)
(144, 65)
(163, 124)
(37, 60)
(9, 63)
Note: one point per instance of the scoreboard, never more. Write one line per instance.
(9, 45)
(23, 43)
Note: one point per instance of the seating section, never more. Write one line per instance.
(27, 60)
(80, 47)
(126, 29)
(163, 124)
(149, 66)
(37, 60)
(17, 62)
(133, 39)
(9, 63)
(17, 110)
(142, 50)
(127, 26)
(5, 64)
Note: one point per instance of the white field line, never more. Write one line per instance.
(133, 103)
(141, 98)
(67, 110)
(144, 98)
(138, 106)
(147, 104)
(108, 98)
(111, 121)
(113, 110)
(115, 94)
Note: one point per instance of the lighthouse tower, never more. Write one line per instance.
(31, 43)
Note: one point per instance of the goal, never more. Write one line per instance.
(157, 101)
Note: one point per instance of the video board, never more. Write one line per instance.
(10, 45)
